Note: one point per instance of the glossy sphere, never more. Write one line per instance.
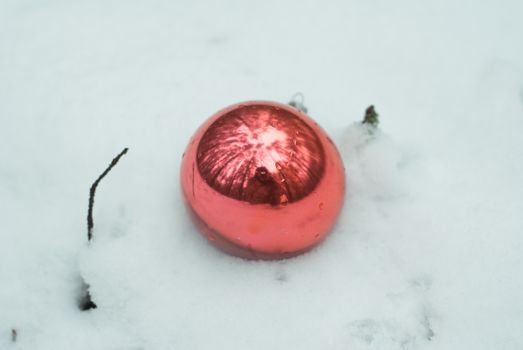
(262, 180)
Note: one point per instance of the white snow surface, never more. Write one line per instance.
(428, 251)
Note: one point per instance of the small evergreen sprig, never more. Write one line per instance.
(371, 117)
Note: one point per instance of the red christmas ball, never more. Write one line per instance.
(262, 180)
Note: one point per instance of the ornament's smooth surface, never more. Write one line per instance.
(262, 180)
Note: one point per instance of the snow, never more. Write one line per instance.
(426, 255)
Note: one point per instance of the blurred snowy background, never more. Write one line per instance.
(428, 253)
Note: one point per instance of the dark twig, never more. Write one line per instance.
(86, 303)
(90, 222)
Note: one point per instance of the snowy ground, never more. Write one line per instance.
(428, 253)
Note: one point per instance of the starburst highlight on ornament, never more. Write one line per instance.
(259, 154)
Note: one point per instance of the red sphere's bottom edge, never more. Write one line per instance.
(229, 247)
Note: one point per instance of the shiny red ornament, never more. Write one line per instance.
(262, 180)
